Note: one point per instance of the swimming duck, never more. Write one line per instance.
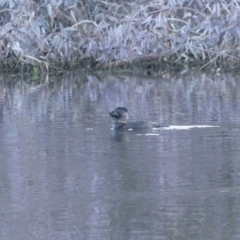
(120, 116)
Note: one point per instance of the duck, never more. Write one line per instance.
(120, 117)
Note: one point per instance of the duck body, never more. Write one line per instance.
(120, 116)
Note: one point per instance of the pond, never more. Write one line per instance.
(65, 174)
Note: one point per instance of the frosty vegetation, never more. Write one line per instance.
(118, 33)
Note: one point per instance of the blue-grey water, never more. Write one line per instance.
(64, 174)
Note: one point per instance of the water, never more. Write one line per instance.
(66, 175)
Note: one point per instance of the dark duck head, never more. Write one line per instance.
(120, 117)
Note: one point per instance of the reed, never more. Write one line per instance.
(107, 34)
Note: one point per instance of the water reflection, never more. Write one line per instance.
(66, 175)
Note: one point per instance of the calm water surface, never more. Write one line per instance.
(66, 175)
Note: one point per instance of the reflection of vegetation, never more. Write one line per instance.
(105, 33)
(196, 97)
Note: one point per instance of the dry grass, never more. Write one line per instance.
(104, 33)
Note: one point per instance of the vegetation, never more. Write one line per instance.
(111, 33)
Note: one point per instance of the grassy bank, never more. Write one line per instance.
(106, 34)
